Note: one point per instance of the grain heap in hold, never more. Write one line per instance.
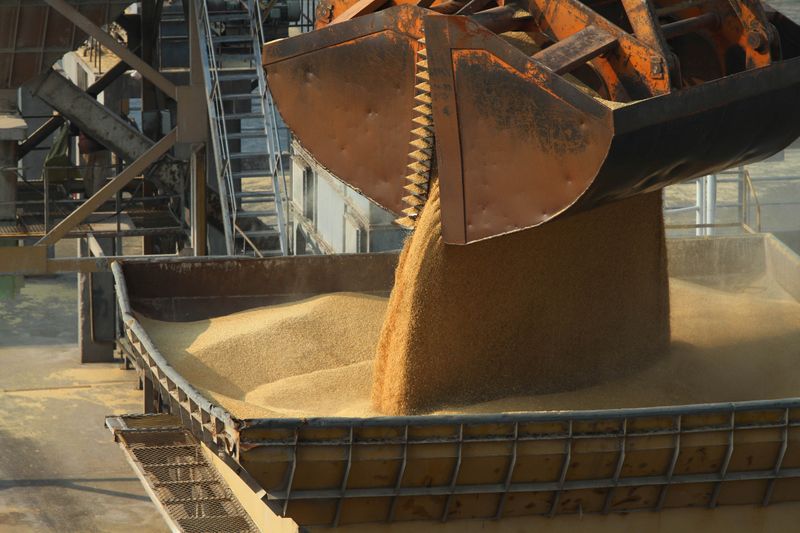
(563, 306)
(314, 357)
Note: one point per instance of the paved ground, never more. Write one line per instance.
(59, 467)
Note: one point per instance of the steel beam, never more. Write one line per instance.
(110, 189)
(49, 127)
(574, 51)
(92, 117)
(100, 123)
(74, 16)
(96, 307)
(198, 219)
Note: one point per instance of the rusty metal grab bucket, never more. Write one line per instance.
(518, 140)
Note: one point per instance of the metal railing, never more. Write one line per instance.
(749, 206)
(270, 124)
(219, 133)
(94, 51)
(57, 202)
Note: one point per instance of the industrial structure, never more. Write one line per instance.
(156, 133)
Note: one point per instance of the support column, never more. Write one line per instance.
(12, 130)
(152, 100)
(97, 312)
(8, 179)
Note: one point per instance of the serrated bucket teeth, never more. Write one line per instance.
(421, 167)
(417, 178)
(417, 189)
(422, 156)
(424, 134)
(423, 120)
(406, 222)
(414, 201)
(421, 146)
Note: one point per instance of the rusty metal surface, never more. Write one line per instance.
(557, 150)
(733, 121)
(328, 11)
(546, 136)
(183, 289)
(696, 88)
(33, 36)
(347, 93)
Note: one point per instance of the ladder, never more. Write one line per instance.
(246, 141)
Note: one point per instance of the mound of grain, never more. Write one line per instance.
(727, 346)
(230, 357)
(571, 303)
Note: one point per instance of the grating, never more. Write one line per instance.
(165, 474)
(11, 229)
(186, 488)
(206, 509)
(168, 455)
(183, 491)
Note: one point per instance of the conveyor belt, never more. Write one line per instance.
(175, 473)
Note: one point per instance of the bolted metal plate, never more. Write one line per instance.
(347, 93)
(519, 146)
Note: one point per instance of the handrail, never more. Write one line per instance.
(749, 182)
(278, 173)
(219, 133)
(247, 240)
(748, 197)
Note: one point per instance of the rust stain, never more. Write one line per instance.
(517, 144)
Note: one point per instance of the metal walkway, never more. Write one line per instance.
(187, 490)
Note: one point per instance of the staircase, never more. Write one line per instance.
(248, 153)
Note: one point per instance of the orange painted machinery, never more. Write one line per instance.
(532, 110)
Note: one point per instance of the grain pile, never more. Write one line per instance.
(571, 303)
(294, 360)
(726, 347)
(244, 359)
